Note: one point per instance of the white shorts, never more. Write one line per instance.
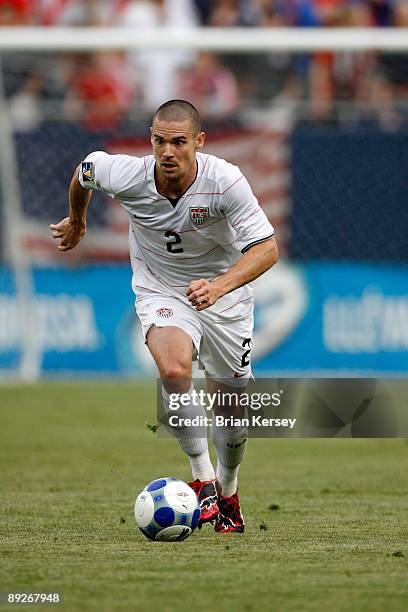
(223, 345)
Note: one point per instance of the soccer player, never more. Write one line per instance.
(198, 237)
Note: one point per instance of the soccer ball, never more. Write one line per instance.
(167, 510)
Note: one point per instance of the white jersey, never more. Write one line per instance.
(199, 235)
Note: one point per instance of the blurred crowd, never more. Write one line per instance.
(104, 90)
(223, 13)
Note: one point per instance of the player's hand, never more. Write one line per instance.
(68, 232)
(202, 294)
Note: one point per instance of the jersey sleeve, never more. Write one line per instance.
(244, 214)
(112, 174)
(94, 172)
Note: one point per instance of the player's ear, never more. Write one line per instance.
(200, 140)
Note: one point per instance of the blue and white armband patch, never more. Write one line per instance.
(88, 172)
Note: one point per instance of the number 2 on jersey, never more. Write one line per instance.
(171, 243)
(245, 356)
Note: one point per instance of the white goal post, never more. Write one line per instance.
(224, 40)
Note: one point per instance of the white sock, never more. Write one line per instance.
(201, 466)
(228, 479)
(230, 444)
(192, 440)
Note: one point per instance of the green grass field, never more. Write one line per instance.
(74, 456)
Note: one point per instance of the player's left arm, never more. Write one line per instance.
(253, 237)
(254, 262)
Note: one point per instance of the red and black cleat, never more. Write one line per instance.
(207, 492)
(230, 517)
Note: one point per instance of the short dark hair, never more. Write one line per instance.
(179, 110)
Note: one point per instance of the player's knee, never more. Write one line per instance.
(176, 377)
(174, 372)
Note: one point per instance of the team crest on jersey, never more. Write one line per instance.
(199, 215)
(164, 312)
(88, 172)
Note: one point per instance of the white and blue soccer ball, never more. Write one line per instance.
(167, 510)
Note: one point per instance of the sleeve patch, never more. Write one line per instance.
(88, 172)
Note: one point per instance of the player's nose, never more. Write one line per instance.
(168, 151)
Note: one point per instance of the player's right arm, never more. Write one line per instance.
(72, 229)
(92, 173)
(112, 174)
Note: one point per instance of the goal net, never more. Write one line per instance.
(317, 121)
